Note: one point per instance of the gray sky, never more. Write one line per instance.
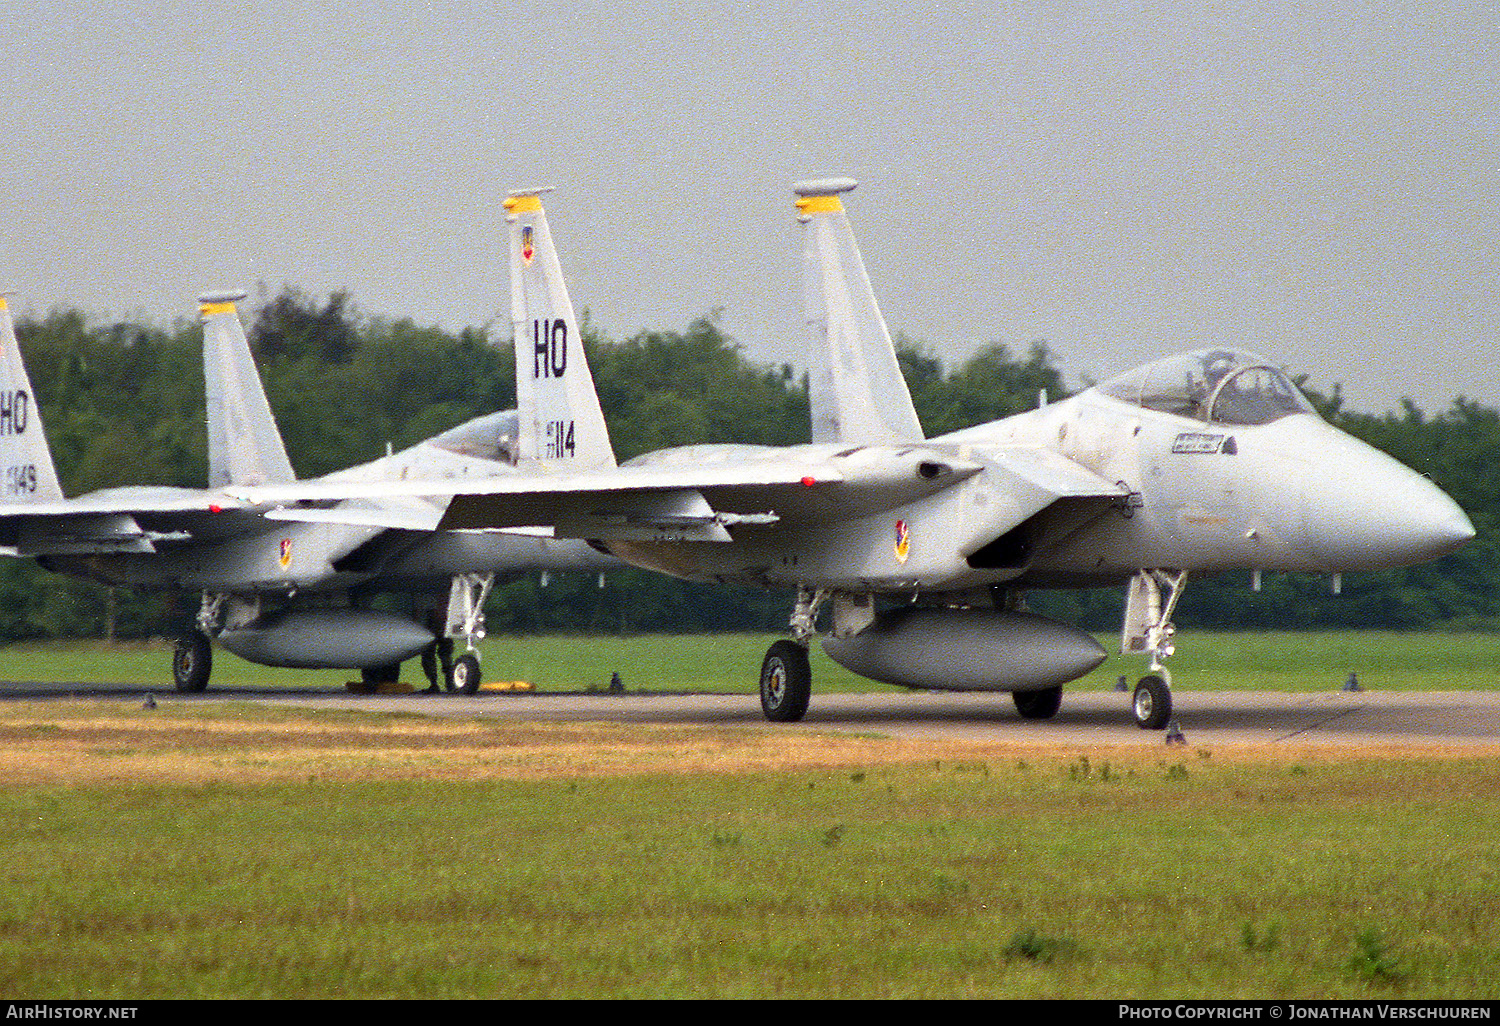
(1123, 180)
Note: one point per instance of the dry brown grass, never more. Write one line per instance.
(83, 742)
(90, 742)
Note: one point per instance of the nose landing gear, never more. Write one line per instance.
(1148, 629)
(466, 619)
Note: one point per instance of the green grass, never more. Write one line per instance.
(1210, 661)
(1169, 877)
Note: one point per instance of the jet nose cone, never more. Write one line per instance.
(1372, 512)
(1423, 523)
(1443, 529)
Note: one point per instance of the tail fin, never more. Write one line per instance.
(26, 470)
(857, 391)
(244, 446)
(560, 418)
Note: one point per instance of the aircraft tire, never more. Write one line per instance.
(1152, 704)
(445, 662)
(390, 673)
(466, 674)
(1041, 704)
(785, 682)
(192, 662)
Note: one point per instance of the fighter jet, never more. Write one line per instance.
(922, 549)
(277, 592)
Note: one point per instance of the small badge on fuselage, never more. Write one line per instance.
(1198, 442)
(903, 540)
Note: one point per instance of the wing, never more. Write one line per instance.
(622, 502)
(698, 493)
(130, 519)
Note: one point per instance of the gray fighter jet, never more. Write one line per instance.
(920, 548)
(277, 592)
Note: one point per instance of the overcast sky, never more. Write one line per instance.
(1122, 180)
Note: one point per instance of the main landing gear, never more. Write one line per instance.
(785, 682)
(785, 674)
(193, 654)
(1148, 629)
(192, 662)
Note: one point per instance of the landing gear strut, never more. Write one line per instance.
(1148, 629)
(466, 618)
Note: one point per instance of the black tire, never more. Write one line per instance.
(445, 662)
(1152, 704)
(192, 662)
(785, 682)
(466, 674)
(1041, 704)
(430, 668)
(390, 673)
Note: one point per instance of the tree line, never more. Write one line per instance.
(123, 403)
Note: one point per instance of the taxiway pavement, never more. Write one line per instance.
(1101, 719)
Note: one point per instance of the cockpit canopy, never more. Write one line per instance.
(1222, 386)
(490, 437)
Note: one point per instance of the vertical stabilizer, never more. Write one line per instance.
(560, 419)
(26, 470)
(857, 391)
(244, 446)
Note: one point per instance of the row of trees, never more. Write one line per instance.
(123, 404)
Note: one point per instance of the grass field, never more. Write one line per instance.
(194, 851)
(237, 850)
(1211, 661)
